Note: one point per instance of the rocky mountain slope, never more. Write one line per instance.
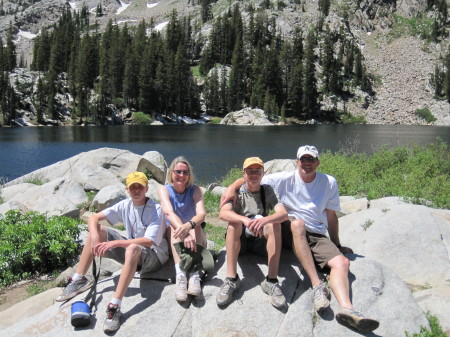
(402, 65)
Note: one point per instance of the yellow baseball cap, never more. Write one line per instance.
(137, 177)
(251, 161)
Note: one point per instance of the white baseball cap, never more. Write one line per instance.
(307, 149)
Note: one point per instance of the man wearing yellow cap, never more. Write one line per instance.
(145, 247)
(250, 226)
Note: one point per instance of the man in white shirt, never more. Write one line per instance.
(145, 247)
(311, 199)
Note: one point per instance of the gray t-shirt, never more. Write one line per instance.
(249, 204)
(141, 221)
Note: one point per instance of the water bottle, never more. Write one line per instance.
(249, 233)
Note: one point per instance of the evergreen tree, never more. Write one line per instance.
(310, 93)
(40, 99)
(212, 93)
(10, 56)
(133, 66)
(236, 87)
(324, 7)
(447, 76)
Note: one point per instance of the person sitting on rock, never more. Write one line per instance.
(184, 209)
(145, 248)
(312, 199)
(250, 228)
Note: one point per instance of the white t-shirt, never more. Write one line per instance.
(306, 201)
(141, 221)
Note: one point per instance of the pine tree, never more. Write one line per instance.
(10, 50)
(447, 76)
(310, 94)
(236, 87)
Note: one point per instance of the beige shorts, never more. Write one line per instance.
(322, 248)
(149, 258)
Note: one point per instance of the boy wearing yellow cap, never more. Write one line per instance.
(145, 247)
(250, 226)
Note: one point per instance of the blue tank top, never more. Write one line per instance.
(183, 204)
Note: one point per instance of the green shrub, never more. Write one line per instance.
(212, 202)
(32, 244)
(35, 180)
(215, 120)
(141, 118)
(420, 174)
(350, 119)
(217, 235)
(426, 114)
(436, 329)
(231, 176)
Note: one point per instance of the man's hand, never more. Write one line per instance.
(228, 195)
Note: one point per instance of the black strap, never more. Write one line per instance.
(263, 200)
(170, 280)
(93, 291)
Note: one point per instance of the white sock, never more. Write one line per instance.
(194, 274)
(178, 270)
(116, 301)
(76, 277)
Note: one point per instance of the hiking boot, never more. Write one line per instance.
(225, 293)
(112, 320)
(73, 288)
(181, 289)
(276, 296)
(354, 319)
(194, 287)
(321, 294)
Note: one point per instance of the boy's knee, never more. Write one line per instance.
(133, 251)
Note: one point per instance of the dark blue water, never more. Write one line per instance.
(212, 149)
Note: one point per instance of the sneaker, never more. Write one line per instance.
(194, 287)
(73, 288)
(321, 294)
(226, 291)
(276, 296)
(354, 319)
(112, 320)
(181, 289)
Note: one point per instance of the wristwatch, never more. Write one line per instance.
(193, 224)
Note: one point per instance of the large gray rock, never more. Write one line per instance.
(246, 116)
(154, 162)
(279, 165)
(10, 205)
(149, 305)
(153, 187)
(9, 192)
(118, 162)
(108, 196)
(93, 178)
(60, 196)
(411, 239)
(436, 301)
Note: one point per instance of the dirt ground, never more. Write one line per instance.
(17, 293)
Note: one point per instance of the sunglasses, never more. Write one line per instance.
(256, 171)
(306, 159)
(181, 172)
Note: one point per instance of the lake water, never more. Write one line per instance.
(212, 149)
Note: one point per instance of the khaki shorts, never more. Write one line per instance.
(149, 258)
(322, 248)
